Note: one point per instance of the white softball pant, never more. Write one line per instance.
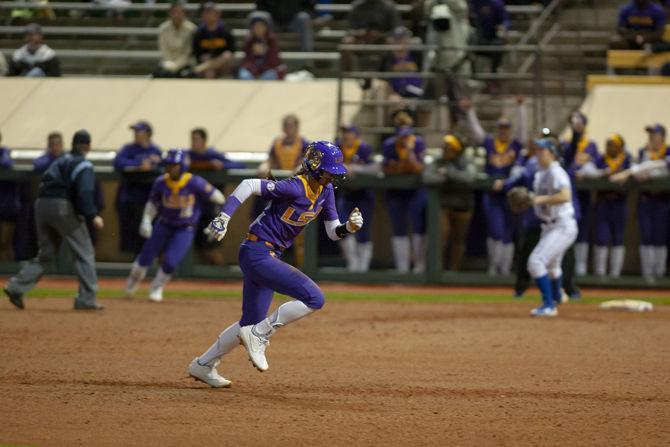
(548, 254)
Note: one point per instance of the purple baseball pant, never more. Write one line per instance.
(265, 274)
(173, 242)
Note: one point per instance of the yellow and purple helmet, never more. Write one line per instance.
(177, 156)
(323, 156)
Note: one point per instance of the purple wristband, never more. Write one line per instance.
(231, 205)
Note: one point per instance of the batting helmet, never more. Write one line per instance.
(323, 156)
(177, 156)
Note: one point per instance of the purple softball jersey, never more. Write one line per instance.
(292, 206)
(494, 146)
(178, 200)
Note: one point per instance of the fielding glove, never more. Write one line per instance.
(218, 226)
(355, 221)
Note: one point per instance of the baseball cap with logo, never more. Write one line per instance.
(142, 125)
(503, 122)
(656, 128)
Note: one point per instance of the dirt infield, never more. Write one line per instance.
(355, 373)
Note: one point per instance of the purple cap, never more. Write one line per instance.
(656, 128)
(404, 131)
(142, 125)
(349, 128)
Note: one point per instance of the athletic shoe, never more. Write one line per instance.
(131, 286)
(156, 295)
(78, 305)
(255, 345)
(207, 374)
(544, 311)
(518, 294)
(15, 298)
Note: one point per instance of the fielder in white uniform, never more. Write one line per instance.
(553, 206)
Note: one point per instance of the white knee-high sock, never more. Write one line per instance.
(401, 253)
(348, 247)
(506, 258)
(647, 261)
(660, 261)
(160, 280)
(617, 255)
(137, 274)
(600, 260)
(364, 250)
(419, 252)
(581, 258)
(285, 314)
(496, 255)
(227, 341)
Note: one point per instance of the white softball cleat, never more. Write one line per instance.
(544, 311)
(255, 346)
(156, 295)
(207, 374)
(131, 286)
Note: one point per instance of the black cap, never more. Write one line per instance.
(81, 137)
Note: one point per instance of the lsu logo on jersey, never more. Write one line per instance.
(302, 220)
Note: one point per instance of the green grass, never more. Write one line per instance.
(380, 295)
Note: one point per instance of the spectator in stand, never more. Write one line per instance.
(397, 61)
(292, 16)
(640, 22)
(35, 58)
(370, 22)
(54, 151)
(448, 26)
(213, 45)
(175, 42)
(206, 158)
(10, 205)
(491, 23)
(261, 51)
(138, 163)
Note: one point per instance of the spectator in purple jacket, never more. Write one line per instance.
(138, 163)
(261, 50)
(54, 151)
(641, 22)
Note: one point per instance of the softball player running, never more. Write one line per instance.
(174, 198)
(553, 206)
(294, 203)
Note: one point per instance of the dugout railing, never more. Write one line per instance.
(435, 273)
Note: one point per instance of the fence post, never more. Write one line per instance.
(434, 240)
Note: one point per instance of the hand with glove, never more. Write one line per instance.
(146, 228)
(520, 199)
(355, 221)
(218, 226)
